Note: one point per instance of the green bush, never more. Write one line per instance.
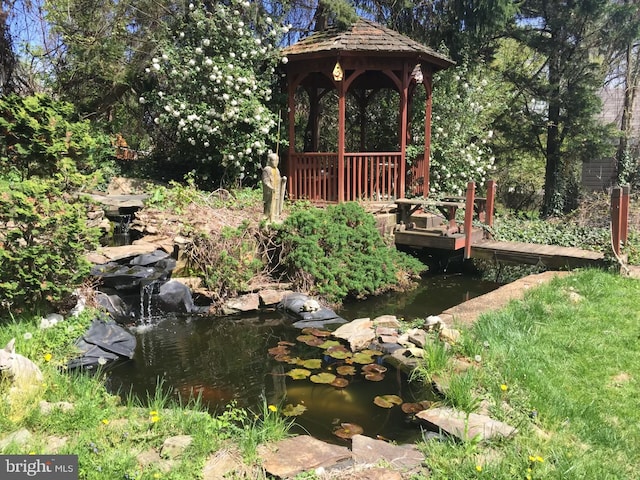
(42, 137)
(43, 238)
(338, 252)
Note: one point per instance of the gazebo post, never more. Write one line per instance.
(292, 139)
(428, 85)
(342, 113)
(404, 113)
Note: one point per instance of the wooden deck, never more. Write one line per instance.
(550, 256)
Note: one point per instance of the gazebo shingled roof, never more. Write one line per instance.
(372, 57)
(366, 36)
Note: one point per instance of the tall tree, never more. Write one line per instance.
(623, 60)
(563, 92)
(468, 28)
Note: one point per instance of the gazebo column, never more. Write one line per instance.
(292, 139)
(404, 122)
(342, 113)
(428, 82)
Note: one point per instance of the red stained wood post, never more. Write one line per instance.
(491, 199)
(624, 214)
(616, 219)
(468, 218)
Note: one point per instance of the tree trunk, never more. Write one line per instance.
(553, 158)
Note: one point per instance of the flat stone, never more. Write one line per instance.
(19, 437)
(48, 407)
(54, 444)
(271, 297)
(389, 339)
(152, 457)
(292, 456)
(390, 321)
(386, 331)
(244, 303)
(457, 423)
(449, 335)
(223, 464)
(418, 337)
(359, 333)
(376, 473)
(125, 251)
(370, 451)
(174, 447)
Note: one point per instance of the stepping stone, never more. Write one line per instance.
(292, 456)
(457, 424)
(370, 451)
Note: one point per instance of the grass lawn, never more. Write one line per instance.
(563, 366)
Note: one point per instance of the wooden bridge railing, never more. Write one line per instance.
(619, 217)
(373, 176)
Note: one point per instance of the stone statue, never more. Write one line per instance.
(273, 188)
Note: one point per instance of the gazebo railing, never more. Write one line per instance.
(370, 176)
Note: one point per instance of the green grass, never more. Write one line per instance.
(569, 359)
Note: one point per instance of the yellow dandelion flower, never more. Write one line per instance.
(154, 418)
(503, 387)
(47, 357)
(532, 458)
(273, 408)
(539, 459)
(479, 468)
(105, 421)
(153, 413)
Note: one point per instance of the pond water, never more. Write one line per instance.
(225, 359)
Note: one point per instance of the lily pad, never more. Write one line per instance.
(373, 353)
(312, 363)
(339, 382)
(346, 370)
(329, 343)
(279, 350)
(316, 332)
(339, 352)
(299, 373)
(285, 343)
(416, 407)
(295, 361)
(293, 410)
(374, 377)
(283, 357)
(362, 358)
(348, 430)
(323, 377)
(314, 341)
(387, 401)
(374, 368)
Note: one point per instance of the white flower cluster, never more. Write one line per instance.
(214, 83)
(461, 134)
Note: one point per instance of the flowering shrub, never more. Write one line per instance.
(213, 81)
(465, 103)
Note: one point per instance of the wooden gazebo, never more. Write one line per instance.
(359, 62)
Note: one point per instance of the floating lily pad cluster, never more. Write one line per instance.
(334, 365)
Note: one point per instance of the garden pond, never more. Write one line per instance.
(252, 359)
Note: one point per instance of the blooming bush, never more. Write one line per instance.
(213, 83)
(465, 103)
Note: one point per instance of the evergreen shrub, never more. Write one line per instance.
(339, 253)
(43, 239)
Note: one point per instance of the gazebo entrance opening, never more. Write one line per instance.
(372, 146)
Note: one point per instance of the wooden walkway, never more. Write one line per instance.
(550, 256)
